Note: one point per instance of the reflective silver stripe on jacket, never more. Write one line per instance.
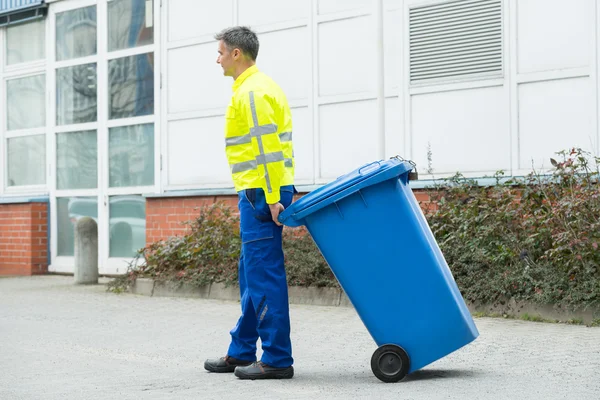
(267, 158)
(247, 138)
(285, 136)
(243, 166)
(236, 140)
(261, 149)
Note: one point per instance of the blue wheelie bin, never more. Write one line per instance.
(371, 231)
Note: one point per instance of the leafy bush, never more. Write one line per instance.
(534, 238)
(209, 253)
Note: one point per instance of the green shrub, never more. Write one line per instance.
(534, 238)
(209, 253)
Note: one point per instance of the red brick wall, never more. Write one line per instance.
(23, 239)
(165, 215)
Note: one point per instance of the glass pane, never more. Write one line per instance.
(26, 42)
(76, 33)
(25, 100)
(76, 100)
(68, 211)
(26, 160)
(131, 153)
(76, 160)
(130, 24)
(131, 82)
(127, 225)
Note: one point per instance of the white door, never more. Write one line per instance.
(104, 134)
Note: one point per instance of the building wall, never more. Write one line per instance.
(324, 54)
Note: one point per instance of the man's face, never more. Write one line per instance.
(227, 59)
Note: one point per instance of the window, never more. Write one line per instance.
(25, 98)
(76, 160)
(131, 155)
(26, 158)
(131, 83)
(130, 24)
(23, 132)
(76, 95)
(25, 43)
(69, 210)
(76, 33)
(127, 222)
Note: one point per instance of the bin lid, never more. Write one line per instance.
(367, 175)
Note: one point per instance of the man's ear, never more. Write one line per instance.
(236, 54)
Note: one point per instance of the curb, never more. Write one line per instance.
(332, 297)
(314, 296)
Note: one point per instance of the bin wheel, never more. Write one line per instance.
(390, 363)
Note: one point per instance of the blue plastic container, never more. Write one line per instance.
(371, 231)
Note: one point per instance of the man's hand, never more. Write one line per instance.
(276, 209)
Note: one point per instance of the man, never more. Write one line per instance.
(258, 144)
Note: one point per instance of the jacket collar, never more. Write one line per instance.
(240, 79)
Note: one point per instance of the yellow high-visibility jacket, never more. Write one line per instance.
(258, 135)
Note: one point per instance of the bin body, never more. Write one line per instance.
(379, 246)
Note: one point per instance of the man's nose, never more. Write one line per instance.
(219, 60)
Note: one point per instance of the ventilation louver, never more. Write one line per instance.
(455, 40)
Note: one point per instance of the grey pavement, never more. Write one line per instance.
(61, 341)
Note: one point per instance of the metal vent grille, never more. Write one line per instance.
(458, 39)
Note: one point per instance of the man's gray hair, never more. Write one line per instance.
(242, 38)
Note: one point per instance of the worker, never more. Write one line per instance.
(258, 145)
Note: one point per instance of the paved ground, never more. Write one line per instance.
(59, 341)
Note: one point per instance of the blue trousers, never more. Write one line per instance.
(263, 283)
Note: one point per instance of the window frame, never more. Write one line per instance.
(17, 71)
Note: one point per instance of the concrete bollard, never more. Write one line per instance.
(86, 251)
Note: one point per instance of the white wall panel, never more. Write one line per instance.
(196, 152)
(303, 144)
(554, 34)
(195, 80)
(192, 18)
(555, 116)
(347, 56)
(348, 137)
(393, 128)
(332, 6)
(285, 57)
(468, 130)
(392, 42)
(253, 12)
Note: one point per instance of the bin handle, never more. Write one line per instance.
(368, 167)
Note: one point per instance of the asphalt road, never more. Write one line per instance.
(60, 341)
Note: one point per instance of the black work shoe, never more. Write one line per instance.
(224, 364)
(260, 370)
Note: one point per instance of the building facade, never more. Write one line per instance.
(114, 109)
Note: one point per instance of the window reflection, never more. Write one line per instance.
(25, 42)
(76, 94)
(127, 223)
(131, 153)
(69, 210)
(26, 104)
(26, 160)
(77, 160)
(76, 33)
(131, 82)
(130, 24)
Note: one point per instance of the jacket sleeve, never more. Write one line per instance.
(261, 114)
